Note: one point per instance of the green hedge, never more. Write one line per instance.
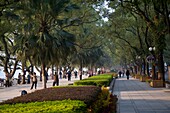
(65, 106)
(98, 80)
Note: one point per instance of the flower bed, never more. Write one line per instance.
(83, 93)
(71, 99)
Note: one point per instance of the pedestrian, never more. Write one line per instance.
(7, 75)
(120, 74)
(69, 75)
(123, 73)
(19, 78)
(56, 79)
(34, 80)
(127, 74)
(60, 73)
(99, 72)
(75, 73)
(28, 78)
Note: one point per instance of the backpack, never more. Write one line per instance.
(23, 92)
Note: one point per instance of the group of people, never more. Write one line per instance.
(32, 78)
(120, 73)
(68, 74)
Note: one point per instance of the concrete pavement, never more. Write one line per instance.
(14, 91)
(138, 97)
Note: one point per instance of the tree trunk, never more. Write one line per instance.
(161, 67)
(23, 73)
(56, 70)
(147, 69)
(144, 66)
(81, 70)
(44, 77)
(153, 72)
(53, 69)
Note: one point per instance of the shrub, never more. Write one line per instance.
(137, 76)
(64, 106)
(105, 103)
(99, 80)
(148, 80)
(115, 75)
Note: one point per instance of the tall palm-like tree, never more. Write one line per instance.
(43, 38)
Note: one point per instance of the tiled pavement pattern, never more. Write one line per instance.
(138, 97)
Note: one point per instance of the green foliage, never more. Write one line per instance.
(98, 80)
(103, 103)
(64, 106)
(115, 75)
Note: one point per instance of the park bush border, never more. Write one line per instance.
(97, 80)
(64, 106)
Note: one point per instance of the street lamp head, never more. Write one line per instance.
(138, 57)
(150, 48)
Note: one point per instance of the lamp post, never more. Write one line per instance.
(151, 59)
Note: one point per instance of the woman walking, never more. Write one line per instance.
(56, 80)
(34, 80)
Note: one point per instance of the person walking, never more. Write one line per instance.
(127, 74)
(19, 78)
(34, 80)
(123, 73)
(28, 78)
(75, 74)
(120, 74)
(69, 75)
(7, 75)
(56, 79)
(60, 73)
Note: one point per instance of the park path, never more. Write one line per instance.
(138, 97)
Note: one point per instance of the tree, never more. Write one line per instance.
(8, 19)
(42, 35)
(156, 16)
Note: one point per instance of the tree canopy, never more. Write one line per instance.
(43, 33)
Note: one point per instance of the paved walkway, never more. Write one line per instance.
(14, 91)
(138, 97)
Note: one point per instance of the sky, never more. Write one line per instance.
(101, 8)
